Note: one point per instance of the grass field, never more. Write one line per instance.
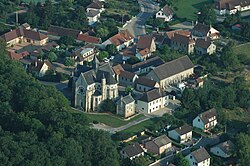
(243, 49)
(34, 1)
(139, 127)
(189, 8)
(111, 120)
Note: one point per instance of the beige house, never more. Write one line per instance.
(199, 157)
(147, 41)
(21, 35)
(85, 53)
(159, 145)
(93, 85)
(181, 134)
(39, 68)
(172, 72)
(206, 120)
(125, 106)
(93, 16)
(121, 40)
(144, 84)
(204, 46)
(182, 43)
(127, 78)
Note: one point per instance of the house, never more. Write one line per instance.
(170, 34)
(172, 72)
(144, 84)
(132, 151)
(92, 85)
(236, 27)
(21, 35)
(125, 106)
(96, 6)
(39, 68)
(223, 149)
(204, 46)
(166, 14)
(144, 66)
(128, 52)
(182, 43)
(85, 53)
(146, 41)
(160, 38)
(93, 16)
(55, 32)
(143, 54)
(117, 69)
(223, 7)
(181, 134)
(152, 100)
(199, 157)
(203, 31)
(127, 78)
(206, 120)
(121, 40)
(17, 56)
(159, 145)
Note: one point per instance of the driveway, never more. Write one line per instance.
(137, 25)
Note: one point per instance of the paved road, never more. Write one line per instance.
(137, 24)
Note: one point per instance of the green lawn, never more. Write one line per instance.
(189, 8)
(111, 120)
(243, 49)
(139, 127)
(34, 1)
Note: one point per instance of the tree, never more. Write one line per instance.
(102, 55)
(139, 161)
(207, 15)
(187, 97)
(180, 160)
(111, 49)
(69, 61)
(108, 106)
(52, 57)
(133, 60)
(129, 89)
(67, 40)
(243, 148)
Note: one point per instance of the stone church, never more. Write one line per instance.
(92, 85)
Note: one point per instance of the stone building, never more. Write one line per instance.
(93, 85)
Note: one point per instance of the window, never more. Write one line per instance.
(199, 120)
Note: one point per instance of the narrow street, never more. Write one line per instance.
(137, 25)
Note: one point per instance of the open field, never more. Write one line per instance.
(189, 8)
(243, 49)
(139, 127)
(111, 120)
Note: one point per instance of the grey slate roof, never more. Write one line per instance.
(161, 140)
(152, 95)
(92, 13)
(133, 150)
(183, 129)
(226, 146)
(173, 67)
(152, 62)
(127, 99)
(202, 28)
(205, 116)
(200, 154)
(145, 81)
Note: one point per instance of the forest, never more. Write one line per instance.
(38, 128)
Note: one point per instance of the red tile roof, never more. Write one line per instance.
(121, 37)
(88, 39)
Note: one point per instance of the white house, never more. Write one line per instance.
(96, 5)
(93, 16)
(143, 54)
(181, 134)
(166, 14)
(152, 101)
(204, 46)
(85, 53)
(206, 120)
(223, 7)
(199, 157)
(223, 149)
(39, 67)
(132, 151)
(203, 31)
